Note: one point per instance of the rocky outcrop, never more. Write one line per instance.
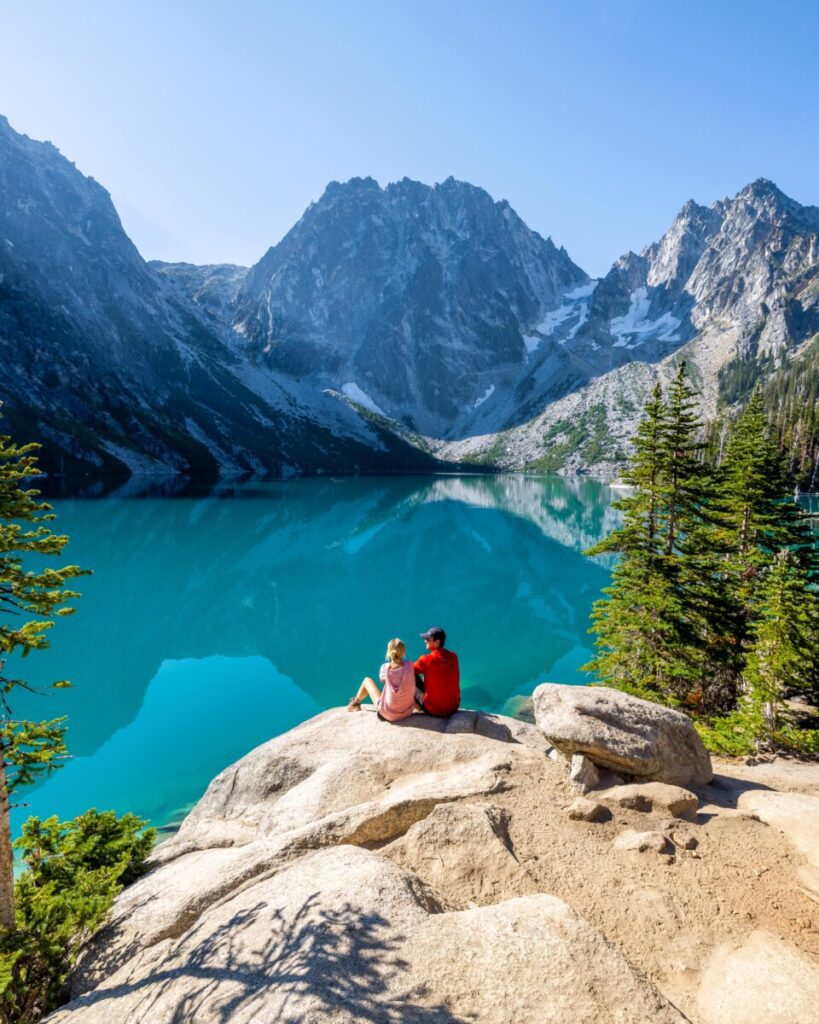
(622, 733)
(653, 796)
(354, 870)
(347, 936)
(262, 889)
(325, 783)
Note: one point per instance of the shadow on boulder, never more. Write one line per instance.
(321, 963)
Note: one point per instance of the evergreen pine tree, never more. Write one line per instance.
(782, 656)
(27, 749)
(642, 630)
(759, 518)
(685, 482)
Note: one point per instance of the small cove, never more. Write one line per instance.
(220, 619)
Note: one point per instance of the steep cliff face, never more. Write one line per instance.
(115, 369)
(384, 314)
(734, 282)
(761, 271)
(416, 297)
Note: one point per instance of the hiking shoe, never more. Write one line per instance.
(354, 704)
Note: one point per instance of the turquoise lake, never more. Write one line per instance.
(217, 620)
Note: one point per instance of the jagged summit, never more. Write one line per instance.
(109, 363)
(762, 188)
(417, 297)
(726, 286)
(433, 306)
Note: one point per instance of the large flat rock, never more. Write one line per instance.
(338, 778)
(464, 849)
(622, 733)
(652, 796)
(353, 870)
(345, 935)
(762, 981)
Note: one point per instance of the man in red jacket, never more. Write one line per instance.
(438, 676)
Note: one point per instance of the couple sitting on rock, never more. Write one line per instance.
(431, 685)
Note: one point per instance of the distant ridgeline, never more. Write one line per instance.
(391, 329)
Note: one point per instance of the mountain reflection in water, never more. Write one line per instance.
(214, 621)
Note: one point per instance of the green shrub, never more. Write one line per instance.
(73, 872)
(733, 735)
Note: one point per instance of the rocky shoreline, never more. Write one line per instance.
(475, 870)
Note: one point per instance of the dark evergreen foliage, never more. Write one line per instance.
(790, 392)
(74, 871)
(712, 605)
(648, 632)
(29, 599)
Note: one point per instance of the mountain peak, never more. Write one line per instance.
(766, 200)
(691, 209)
(762, 188)
(351, 186)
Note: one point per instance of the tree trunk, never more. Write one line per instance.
(6, 853)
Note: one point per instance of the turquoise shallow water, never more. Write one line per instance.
(213, 622)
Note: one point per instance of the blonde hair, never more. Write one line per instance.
(396, 649)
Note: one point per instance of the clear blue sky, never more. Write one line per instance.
(214, 124)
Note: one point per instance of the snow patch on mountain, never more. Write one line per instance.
(576, 305)
(555, 318)
(487, 394)
(581, 320)
(632, 328)
(583, 291)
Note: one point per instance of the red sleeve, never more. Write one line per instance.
(421, 664)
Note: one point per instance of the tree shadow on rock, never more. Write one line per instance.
(266, 965)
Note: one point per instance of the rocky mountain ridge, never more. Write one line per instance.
(110, 365)
(413, 300)
(735, 282)
(388, 324)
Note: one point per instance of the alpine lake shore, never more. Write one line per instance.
(583, 861)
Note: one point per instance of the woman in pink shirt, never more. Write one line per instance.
(397, 700)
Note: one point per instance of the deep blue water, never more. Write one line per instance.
(214, 622)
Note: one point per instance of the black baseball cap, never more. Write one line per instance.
(436, 633)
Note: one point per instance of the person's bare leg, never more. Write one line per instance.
(369, 689)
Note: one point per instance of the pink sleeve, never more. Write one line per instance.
(382, 673)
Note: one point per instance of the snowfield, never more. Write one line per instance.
(632, 329)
